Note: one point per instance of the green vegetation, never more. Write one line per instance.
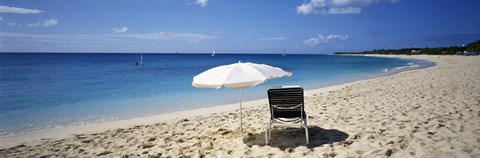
(471, 47)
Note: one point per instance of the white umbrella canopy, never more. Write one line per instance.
(239, 75)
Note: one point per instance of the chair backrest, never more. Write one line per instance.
(286, 101)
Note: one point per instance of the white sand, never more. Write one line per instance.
(432, 112)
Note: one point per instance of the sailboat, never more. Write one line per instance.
(140, 63)
(284, 52)
(214, 51)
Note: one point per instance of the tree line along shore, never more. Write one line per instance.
(470, 49)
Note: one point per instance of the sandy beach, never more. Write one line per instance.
(432, 112)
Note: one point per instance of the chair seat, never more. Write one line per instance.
(286, 114)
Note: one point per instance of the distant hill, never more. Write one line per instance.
(471, 47)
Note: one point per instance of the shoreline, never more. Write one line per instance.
(64, 132)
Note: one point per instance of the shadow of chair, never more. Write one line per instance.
(295, 137)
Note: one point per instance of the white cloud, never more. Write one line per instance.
(351, 2)
(202, 3)
(310, 7)
(315, 41)
(120, 30)
(52, 38)
(7, 9)
(46, 23)
(50, 22)
(273, 38)
(325, 7)
(12, 24)
(110, 38)
(346, 10)
(170, 36)
(306, 8)
(319, 3)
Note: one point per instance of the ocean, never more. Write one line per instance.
(41, 91)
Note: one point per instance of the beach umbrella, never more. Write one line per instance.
(237, 76)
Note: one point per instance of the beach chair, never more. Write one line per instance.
(287, 109)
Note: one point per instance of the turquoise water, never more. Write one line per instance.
(41, 91)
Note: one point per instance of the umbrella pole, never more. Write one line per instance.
(241, 111)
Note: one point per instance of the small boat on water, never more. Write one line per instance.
(284, 52)
(214, 52)
(140, 63)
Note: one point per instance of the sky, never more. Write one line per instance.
(235, 26)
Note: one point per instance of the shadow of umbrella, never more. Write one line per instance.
(295, 137)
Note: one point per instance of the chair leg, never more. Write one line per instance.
(306, 130)
(306, 134)
(268, 134)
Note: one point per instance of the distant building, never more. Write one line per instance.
(465, 53)
(416, 51)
